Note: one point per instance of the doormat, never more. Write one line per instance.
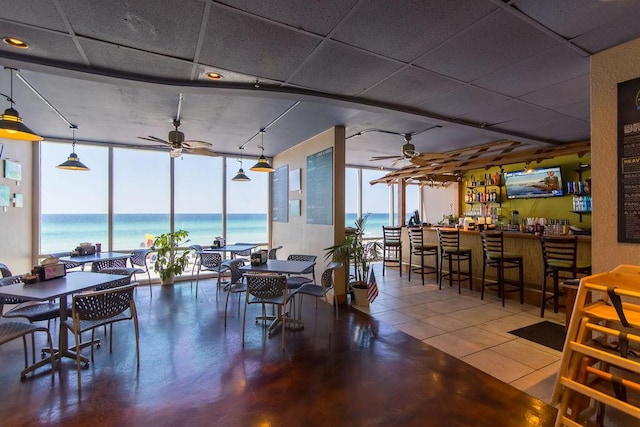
(545, 333)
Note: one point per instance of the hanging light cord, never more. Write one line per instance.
(10, 98)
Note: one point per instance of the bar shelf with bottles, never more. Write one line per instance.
(581, 192)
(485, 190)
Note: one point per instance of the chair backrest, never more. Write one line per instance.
(6, 281)
(234, 268)
(266, 286)
(116, 283)
(103, 304)
(562, 249)
(308, 258)
(210, 259)
(492, 243)
(139, 257)
(415, 236)
(196, 248)
(327, 276)
(5, 270)
(391, 235)
(272, 252)
(68, 265)
(98, 265)
(449, 238)
(244, 253)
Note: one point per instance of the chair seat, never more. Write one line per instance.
(295, 282)
(505, 255)
(425, 248)
(452, 250)
(35, 312)
(87, 325)
(12, 330)
(310, 289)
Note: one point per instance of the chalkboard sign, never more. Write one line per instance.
(280, 209)
(629, 161)
(320, 187)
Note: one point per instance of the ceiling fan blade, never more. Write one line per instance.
(203, 152)
(196, 144)
(373, 159)
(154, 139)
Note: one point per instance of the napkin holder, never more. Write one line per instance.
(259, 257)
(49, 271)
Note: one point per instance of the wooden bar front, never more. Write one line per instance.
(522, 243)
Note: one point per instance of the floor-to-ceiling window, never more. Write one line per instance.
(247, 204)
(375, 201)
(73, 204)
(141, 198)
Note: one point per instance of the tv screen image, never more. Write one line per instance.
(541, 182)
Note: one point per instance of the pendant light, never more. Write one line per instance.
(241, 176)
(262, 165)
(11, 126)
(73, 163)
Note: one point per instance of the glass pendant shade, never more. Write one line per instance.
(11, 127)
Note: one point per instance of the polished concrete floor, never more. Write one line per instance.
(424, 357)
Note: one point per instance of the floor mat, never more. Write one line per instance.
(545, 333)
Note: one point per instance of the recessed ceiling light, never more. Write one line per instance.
(12, 41)
(214, 76)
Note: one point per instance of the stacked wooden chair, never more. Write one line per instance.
(600, 365)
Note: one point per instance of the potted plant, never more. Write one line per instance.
(170, 261)
(355, 251)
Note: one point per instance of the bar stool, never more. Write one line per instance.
(494, 256)
(391, 247)
(559, 255)
(422, 250)
(450, 249)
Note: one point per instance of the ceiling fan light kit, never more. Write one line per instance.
(178, 145)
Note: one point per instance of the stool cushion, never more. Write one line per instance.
(426, 247)
(451, 250)
(558, 263)
(505, 255)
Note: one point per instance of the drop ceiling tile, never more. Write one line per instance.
(549, 125)
(496, 41)
(120, 58)
(579, 110)
(405, 32)
(463, 100)
(586, 15)
(315, 17)
(337, 68)
(411, 86)
(33, 12)
(504, 112)
(537, 72)
(253, 46)
(43, 44)
(558, 95)
(169, 28)
(610, 34)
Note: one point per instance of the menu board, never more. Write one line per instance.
(320, 187)
(280, 203)
(629, 161)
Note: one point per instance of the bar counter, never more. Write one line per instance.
(526, 244)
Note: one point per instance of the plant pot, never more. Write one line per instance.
(169, 280)
(360, 297)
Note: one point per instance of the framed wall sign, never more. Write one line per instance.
(18, 200)
(294, 180)
(5, 195)
(294, 207)
(12, 170)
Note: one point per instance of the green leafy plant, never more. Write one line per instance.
(353, 249)
(170, 261)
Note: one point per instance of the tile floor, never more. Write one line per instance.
(470, 329)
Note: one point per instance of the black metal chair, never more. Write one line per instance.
(421, 250)
(294, 282)
(4, 270)
(559, 255)
(236, 283)
(32, 311)
(93, 309)
(391, 247)
(493, 255)
(273, 252)
(451, 251)
(210, 261)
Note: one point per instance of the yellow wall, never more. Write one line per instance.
(608, 68)
(551, 207)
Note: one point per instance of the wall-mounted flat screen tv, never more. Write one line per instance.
(540, 182)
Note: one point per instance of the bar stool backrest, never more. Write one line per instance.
(415, 236)
(449, 239)
(559, 251)
(492, 243)
(391, 235)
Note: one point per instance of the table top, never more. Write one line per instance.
(279, 266)
(98, 256)
(231, 248)
(74, 281)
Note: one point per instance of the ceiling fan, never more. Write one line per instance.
(178, 144)
(407, 152)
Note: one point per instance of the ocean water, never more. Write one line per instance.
(63, 232)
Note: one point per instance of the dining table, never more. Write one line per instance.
(61, 287)
(98, 256)
(281, 266)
